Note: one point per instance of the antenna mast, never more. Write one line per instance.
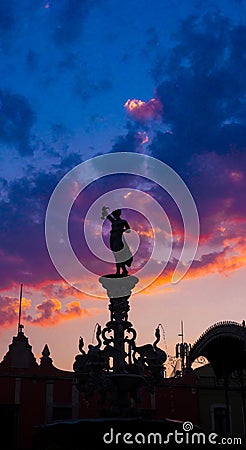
(182, 331)
(20, 304)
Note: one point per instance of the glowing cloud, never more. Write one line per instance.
(142, 137)
(144, 111)
(231, 258)
(49, 312)
(9, 307)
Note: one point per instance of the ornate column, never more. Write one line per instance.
(119, 333)
(116, 367)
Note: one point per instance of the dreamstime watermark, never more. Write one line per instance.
(79, 178)
(185, 437)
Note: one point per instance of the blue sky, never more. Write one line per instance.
(67, 69)
(75, 64)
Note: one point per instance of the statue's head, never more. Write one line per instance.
(116, 213)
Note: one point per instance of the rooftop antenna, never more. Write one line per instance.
(182, 331)
(20, 327)
(182, 350)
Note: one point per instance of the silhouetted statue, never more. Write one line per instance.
(118, 245)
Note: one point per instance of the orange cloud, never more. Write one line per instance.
(229, 259)
(9, 308)
(142, 137)
(50, 312)
(58, 289)
(144, 111)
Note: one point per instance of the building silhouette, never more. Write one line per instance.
(33, 394)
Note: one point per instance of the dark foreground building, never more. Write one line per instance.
(33, 395)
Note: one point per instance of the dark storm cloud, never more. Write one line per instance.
(16, 121)
(70, 20)
(203, 92)
(218, 184)
(23, 253)
(70, 161)
(32, 60)
(85, 89)
(7, 19)
(126, 143)
(204, 98)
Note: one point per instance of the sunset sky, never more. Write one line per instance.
(83, 79)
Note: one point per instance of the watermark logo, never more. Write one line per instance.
(187, 426)
(185, 436)
(61, 252)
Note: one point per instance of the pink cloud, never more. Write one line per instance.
(9, 307)
(144, 111)
(50, 312)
